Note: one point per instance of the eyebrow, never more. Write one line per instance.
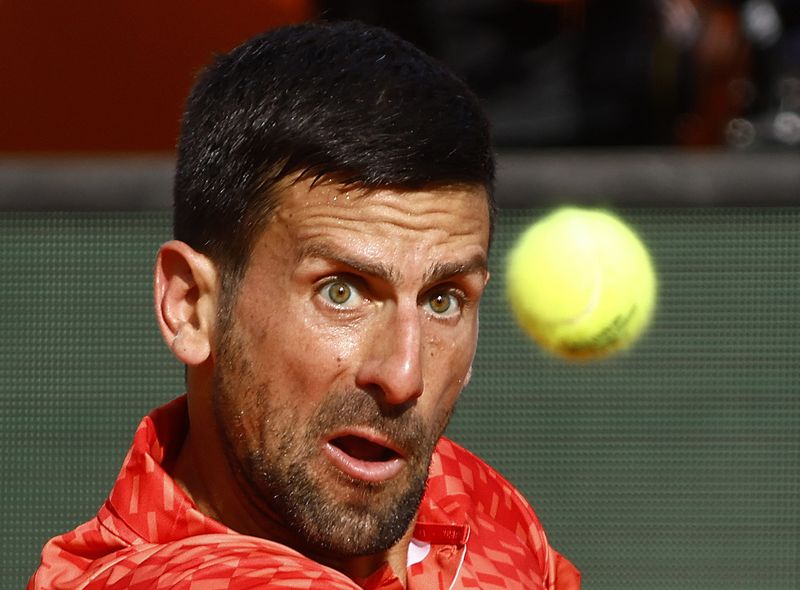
(376, 269)
(436, 273)
(444, 270)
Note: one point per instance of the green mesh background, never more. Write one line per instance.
(673, 466)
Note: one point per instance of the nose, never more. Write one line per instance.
(392, 365)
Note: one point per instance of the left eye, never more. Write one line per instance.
(443, 303)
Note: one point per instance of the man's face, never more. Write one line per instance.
(350, 338)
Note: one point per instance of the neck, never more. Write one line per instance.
(363, 566)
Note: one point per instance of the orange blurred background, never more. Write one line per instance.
(97, 76)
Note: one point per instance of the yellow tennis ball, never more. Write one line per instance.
(581, 283)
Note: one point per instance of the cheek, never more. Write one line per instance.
(330, 336)
(448, 357)
(330, 341)
(313, 356)
(294, 356)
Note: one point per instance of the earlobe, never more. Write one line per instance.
(185, 294)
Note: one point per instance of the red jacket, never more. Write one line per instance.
(473, 530)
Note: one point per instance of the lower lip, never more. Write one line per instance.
(371, 471)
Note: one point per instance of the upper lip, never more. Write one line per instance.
(370, 435)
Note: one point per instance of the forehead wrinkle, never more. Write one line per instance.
(372, 268)
(443, 270)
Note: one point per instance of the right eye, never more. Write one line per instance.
(340, 294)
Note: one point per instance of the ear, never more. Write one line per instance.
(185, 289)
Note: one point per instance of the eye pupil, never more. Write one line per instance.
(339, 292)
(440, 303)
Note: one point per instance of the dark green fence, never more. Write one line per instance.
(673, 466)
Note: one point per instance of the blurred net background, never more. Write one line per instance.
(676, 465)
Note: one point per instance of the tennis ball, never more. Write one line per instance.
(581, 283)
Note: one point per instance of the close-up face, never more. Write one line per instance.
(350, 338)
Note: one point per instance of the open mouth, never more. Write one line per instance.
(363, 449)
(363, 458)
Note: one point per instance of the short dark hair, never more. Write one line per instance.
(340, 101)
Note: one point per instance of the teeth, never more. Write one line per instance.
(361, 448)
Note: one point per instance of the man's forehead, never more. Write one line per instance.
(308, 214)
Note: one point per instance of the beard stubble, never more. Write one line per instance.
(279, 458)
